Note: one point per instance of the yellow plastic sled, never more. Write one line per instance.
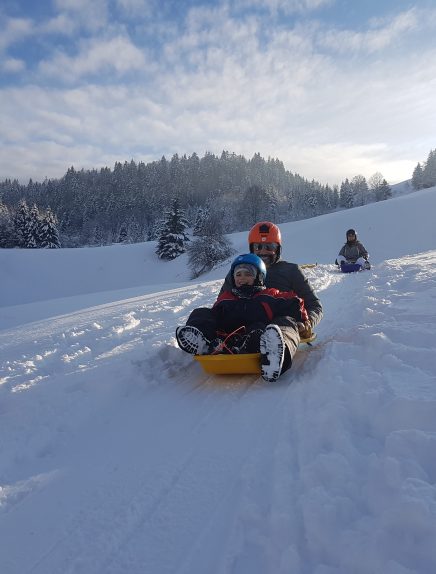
(245, 363)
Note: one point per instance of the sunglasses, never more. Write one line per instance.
(265, 246)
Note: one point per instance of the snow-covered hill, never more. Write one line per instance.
(119, 455)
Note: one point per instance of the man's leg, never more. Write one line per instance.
(278, 345)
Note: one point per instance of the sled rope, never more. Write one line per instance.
(223, 344)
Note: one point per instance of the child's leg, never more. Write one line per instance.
(203, 319)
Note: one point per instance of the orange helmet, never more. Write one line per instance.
(265, 232)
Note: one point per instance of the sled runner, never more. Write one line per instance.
(244, 363)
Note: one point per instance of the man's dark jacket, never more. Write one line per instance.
(287, 276)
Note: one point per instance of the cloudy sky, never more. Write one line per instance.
(333, 88)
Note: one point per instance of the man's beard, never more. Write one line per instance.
(268, 259)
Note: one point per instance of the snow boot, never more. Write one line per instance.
(192, 340)
(251, 342)
(272, 353)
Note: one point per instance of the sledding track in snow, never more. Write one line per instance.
(118, 454)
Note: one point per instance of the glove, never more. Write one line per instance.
(305, 330)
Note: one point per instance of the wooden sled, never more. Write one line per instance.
(245, 363)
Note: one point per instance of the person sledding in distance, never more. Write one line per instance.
(248, 318)
(265, 241)
(353, 253)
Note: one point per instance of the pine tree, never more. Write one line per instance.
(346, 194)
(6, 227)
(200, 218)
(418, 177)
(49, 235)
(122, 235)
(172, 238)
(22, 224)
(360, 190)
(155, 230)
(429, 172)
(258, 204)
(34, 228)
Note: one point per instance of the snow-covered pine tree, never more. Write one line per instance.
(418, 177)
(172, 239)
(22, 224)
(258, 204)
(122, 234)
(200, 218)
(155, 230)
(359, 187)
(49, 235)
(34, 228)
(134, 231)
(429, 172)
(6, 227)
(346, 195)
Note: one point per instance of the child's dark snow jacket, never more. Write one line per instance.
(231, 311)
(286, 276)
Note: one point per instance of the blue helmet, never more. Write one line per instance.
(253, 260)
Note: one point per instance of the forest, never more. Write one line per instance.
(133, 201)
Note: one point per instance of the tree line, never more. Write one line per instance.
(424, 175)
(133, 201)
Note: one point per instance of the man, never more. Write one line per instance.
(280, 340)
(265, 240)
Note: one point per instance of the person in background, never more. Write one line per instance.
(265, 240)
(353, 252)
(248, 318)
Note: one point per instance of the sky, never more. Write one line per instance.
(119, 454)
(332, 88)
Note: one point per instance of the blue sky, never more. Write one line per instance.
(333, 88)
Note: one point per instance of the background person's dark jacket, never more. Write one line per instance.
(286, 276)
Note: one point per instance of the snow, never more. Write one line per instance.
(118, 454)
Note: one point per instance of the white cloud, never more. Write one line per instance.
(138, 7)
(383, 34)
(284, 6)
(60, 24)
(15, 30)
(83, 14)
(12, 65)
(115, 55)
(228, 83)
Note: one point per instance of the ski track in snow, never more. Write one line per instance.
(326, 465)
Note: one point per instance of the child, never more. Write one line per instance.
(353, 252)
(249, 318)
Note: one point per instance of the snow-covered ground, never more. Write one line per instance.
(118, 455)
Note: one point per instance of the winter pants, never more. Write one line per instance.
(205, 321)
(360, 261)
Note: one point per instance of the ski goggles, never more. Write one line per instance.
(265, 247)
